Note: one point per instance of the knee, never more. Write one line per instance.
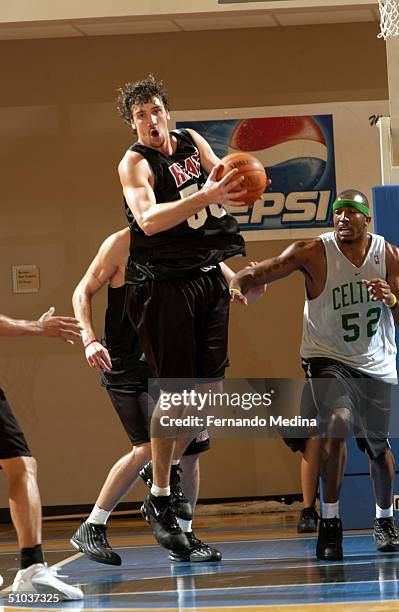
(339, 424)
(143, 451)
(31, 466)
(384, 458)
(20, 467)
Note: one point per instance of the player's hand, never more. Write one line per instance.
(251, 296)
(237, 297)
(98, 357)
(235, 291)
(223, 191)
(255, 293)
(48, 314)
(65, 328)
(379, 290)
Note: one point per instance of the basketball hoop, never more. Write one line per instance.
(389, 12)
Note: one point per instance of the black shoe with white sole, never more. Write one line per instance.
(386, 534)
(164, 525)
(91, 540)
(199, 552)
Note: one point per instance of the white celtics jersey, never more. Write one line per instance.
(343, 323)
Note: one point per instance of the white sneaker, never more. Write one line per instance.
(38, 578)
(1, 580)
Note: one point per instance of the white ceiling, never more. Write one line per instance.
(267, 13)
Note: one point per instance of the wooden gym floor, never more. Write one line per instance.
(266, 566)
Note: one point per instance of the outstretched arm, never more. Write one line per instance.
(65, 328)
(296, 257)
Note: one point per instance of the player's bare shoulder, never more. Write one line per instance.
(115, 248)
(199, 140)
(392, 250)
(193, 133)
(207, 156)
(391, 258)
(315, 247)
(133, 165)
(307, 252)
(109, 263)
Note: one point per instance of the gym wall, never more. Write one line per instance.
(61, 141)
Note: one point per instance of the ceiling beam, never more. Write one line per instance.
(24, 11)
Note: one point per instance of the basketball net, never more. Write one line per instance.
(389, 12)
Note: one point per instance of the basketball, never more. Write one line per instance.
(255, 179)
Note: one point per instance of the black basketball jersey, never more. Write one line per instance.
(130, 371)
(205, 239)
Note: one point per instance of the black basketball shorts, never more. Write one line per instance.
(332, 385)
(182, 324)
(12, 440)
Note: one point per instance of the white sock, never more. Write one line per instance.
(383, 512)
(330, 511)
(184, 525)
(175, 461)
(98, 516)
(159, 491)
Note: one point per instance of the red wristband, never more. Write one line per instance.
(88, 344)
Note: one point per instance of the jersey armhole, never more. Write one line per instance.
(310, 299)
(183, 134)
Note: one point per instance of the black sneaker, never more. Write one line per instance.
(199, 552)
(164, 526)
(181, 506)
(386, 534)
(308, 519)
(329, 542)
(92, 541)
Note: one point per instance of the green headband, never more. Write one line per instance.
(362, 208)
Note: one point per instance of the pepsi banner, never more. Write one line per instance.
(299, 154)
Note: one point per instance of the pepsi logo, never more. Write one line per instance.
(293, 150)
(298, 155)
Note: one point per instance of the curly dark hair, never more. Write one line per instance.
(140, 92)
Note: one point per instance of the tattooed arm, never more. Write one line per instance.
(298, 256)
